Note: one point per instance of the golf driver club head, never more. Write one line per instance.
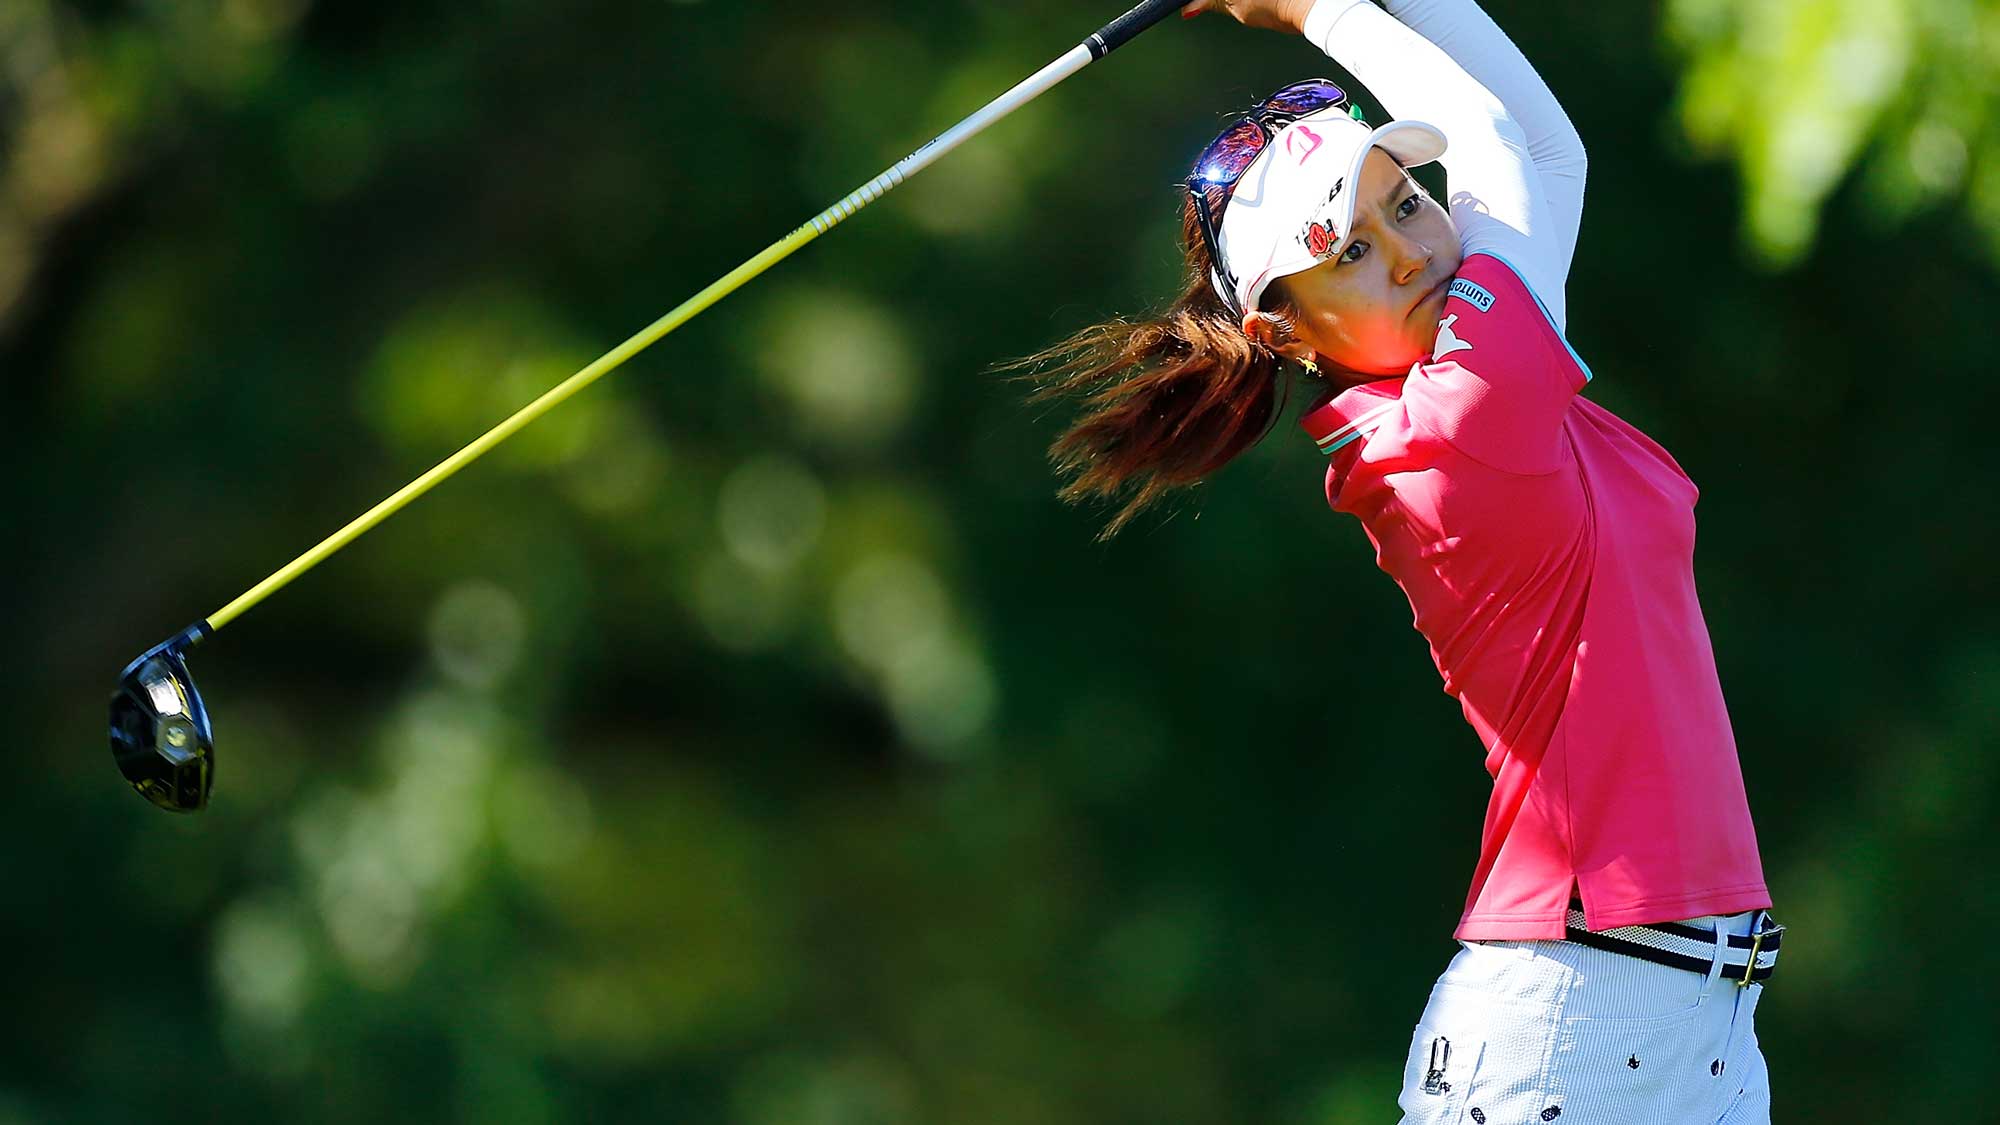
(160, 735)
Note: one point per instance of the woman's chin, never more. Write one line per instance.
(1393, 368)
(1391, 362)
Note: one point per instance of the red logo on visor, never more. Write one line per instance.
(1320, 238)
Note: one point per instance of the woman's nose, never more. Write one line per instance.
(1412, 258)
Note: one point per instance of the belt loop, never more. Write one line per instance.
(1721, 950)
(1722, 930)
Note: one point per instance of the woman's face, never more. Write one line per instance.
(1374, 308)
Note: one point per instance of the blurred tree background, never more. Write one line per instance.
(757, 739)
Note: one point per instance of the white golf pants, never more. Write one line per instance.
(1528, 1032)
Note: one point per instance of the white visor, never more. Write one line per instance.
(1293, 207)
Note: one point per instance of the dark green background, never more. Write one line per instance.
(757, 739)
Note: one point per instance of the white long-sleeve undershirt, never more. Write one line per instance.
(1515, 166)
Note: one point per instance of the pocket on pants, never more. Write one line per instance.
(1473, 1059)
(1637, 1069)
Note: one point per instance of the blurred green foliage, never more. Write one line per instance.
(756, 739)
(1796, 90)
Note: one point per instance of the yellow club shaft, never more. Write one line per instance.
(549, 400)
(1069, 63)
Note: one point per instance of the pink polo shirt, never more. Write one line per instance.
(1547, 550)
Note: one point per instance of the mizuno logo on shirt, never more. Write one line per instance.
(1470, 291)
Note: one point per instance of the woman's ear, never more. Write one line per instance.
(1275, 331)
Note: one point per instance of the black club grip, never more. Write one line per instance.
(1118, 32)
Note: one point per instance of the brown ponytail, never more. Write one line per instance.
(1165, 401)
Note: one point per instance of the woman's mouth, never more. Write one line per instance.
(1434, 293)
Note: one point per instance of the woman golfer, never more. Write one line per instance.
(1615, 939)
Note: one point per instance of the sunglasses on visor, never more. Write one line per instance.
(1223, 162)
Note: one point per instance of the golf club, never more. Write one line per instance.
(160, 734)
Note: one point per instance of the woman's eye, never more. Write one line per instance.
(1354, 251)
(1408, 208)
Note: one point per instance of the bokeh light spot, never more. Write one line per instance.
(476, 633)
(770, 512)
(844, 368)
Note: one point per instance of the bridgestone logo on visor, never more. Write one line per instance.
(1292, 136)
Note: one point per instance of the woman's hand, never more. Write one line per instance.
(1273, 15)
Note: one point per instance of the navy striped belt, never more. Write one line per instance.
(1747, 958)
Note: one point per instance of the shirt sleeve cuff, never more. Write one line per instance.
(1324, 14)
